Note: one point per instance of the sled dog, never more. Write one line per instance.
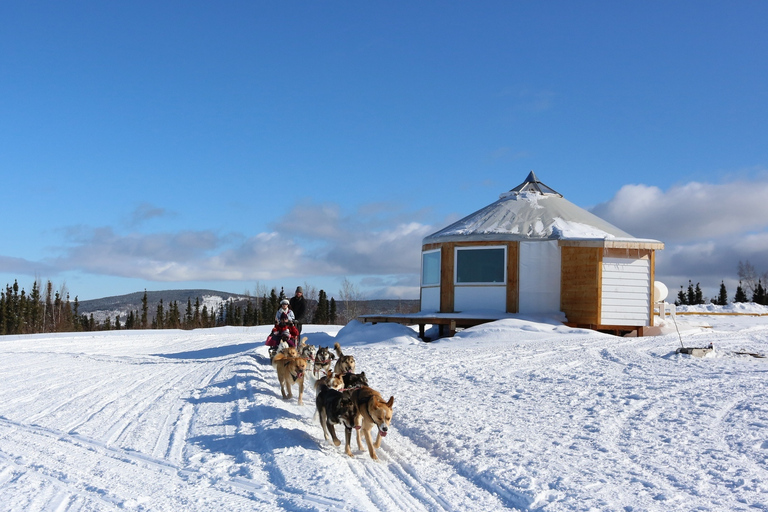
(345, 364)
(308, 352)
(336, 407)
(330, 380)
(372, 411)
(290, 371)
(323, 360)
(354, 380)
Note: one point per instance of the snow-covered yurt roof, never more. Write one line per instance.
(534, 211)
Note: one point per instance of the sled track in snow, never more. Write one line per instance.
(405, 478)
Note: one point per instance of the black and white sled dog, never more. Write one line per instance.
(354, 380)
(308, 352)
(323, 361)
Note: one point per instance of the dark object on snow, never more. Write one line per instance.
(695, 351)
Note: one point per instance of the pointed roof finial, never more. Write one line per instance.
(532, 184)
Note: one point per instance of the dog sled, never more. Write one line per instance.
(286, 335)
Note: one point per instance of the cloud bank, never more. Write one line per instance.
(707, 228)
(379, 243)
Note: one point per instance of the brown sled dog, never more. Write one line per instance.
(345, 364)
(290, 371)
(372, 411)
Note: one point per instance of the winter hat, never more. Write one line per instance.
(284, 301)
(299, 289)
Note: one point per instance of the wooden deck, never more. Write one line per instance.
(447, 323)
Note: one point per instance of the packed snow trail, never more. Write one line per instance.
(93, 427)
(513, 415)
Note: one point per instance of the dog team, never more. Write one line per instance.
(342, 396)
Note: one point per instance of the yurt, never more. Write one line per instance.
(534, 252)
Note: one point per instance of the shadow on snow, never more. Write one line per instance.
(212, 353)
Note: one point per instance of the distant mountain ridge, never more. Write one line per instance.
(120, 301)
(122, 305)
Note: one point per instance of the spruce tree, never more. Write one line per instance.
(759, 296)
(159, 316)
(690, 296)
(188, 314)
(740, 295)
(722, 297)
(48, 320)
(67, 316)
(698, 295)
(332, 311)
(76, 315)
(264, 310)
(681, 298)
(321, 312)
(144, 311)
(34, 309)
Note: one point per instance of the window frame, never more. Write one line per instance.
(503, 282)
(439, 267)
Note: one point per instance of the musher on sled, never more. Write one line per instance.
(284, 329)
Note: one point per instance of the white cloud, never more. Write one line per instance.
(13, 265)
(309, 240)
(707, 228)
(688, 212)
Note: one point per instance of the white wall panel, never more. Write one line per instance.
(472, 298)
(430, 299)
(539, 277)
(626, 291)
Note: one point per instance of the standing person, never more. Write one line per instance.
(299, 306)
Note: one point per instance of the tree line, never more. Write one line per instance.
(51, 310)
(750, 289)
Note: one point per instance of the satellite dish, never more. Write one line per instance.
(660, 291)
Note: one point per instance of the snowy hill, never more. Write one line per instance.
(518, 414)
(123, 304)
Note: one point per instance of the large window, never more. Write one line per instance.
(430, 268)
(481, 266)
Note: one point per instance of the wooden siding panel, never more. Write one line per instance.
(513, 277)
(580, 284)
(446, 278)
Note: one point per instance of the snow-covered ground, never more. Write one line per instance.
(518, 414)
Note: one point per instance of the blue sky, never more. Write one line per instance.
(230, 145)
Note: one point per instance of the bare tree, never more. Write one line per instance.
(351, 300)
(310, 295)
(749, 277)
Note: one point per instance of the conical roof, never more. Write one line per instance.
(530, 211)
